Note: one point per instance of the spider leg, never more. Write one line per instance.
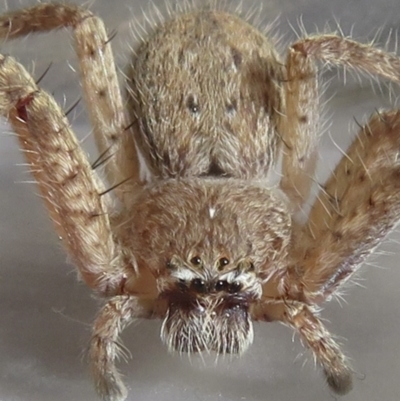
(358, 206)
(99, 81)
(71, 189)
(304, 320)
(118, 313)
(299, 127)
(354, 211)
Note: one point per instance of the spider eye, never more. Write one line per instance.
(221, 285)
(222, 263)
(192, 104)
(198, 285)
(195, 261)
(234, 287)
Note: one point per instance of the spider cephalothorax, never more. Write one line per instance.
(211, 219)
(205, 241)
(211, 254)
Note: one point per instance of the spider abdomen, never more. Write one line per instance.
(205, 89)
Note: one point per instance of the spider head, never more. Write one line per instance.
(211, 245)
(209, 312)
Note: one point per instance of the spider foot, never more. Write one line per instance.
(340, 382)
(110, 387)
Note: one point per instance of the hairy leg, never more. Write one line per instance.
(119, 312)
(99, 81)
(314, 335)
(356, 208)
(300, 125)
(354, 211)
(70, 188)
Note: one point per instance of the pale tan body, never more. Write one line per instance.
(206, 245)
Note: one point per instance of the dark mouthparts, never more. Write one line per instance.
(197, 324)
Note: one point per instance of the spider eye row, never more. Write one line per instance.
(201, 286)
(196, 261)
(221, 264)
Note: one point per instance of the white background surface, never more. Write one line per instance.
(45, 315)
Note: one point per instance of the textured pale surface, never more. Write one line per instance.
(46, 316)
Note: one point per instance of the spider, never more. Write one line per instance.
(197, 235)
